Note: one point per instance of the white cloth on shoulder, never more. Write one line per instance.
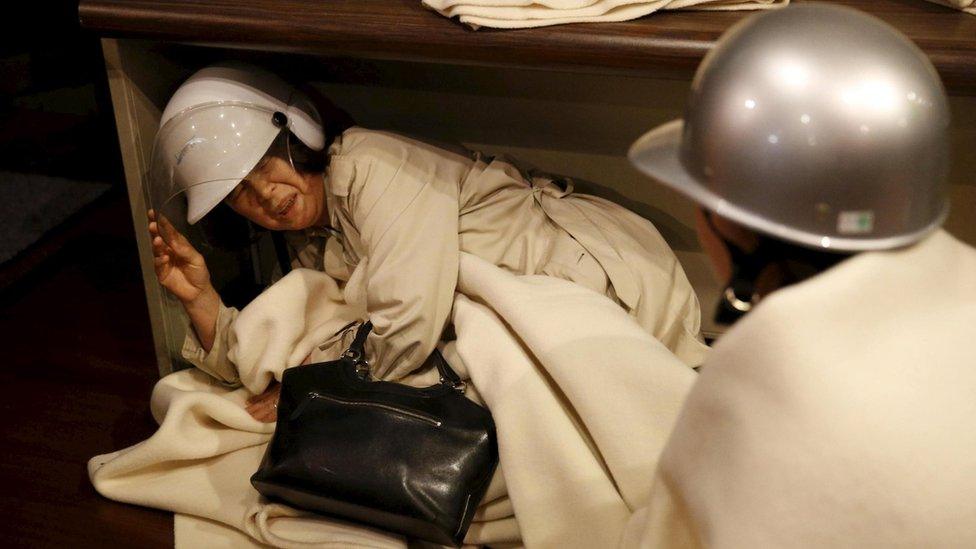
(838, 413)
(582, 408)
(515, 14)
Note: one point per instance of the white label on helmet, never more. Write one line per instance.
(855, 222)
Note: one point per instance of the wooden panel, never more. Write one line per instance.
(403, 29)
(142, 78)
(962, 178)
(137, 118)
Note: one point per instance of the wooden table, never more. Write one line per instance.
(403, 29)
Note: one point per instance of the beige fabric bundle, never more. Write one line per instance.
(582, 408)
(517, 14)
(968, 6)
(842, 421)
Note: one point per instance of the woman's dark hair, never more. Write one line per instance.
(334, 122)
(304, 159)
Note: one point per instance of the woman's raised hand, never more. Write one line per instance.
(180, 268)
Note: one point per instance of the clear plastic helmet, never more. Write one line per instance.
(215, 129)
(816, 124)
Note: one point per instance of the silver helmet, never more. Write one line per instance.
(816, 124)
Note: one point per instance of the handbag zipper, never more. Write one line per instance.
(403, 411)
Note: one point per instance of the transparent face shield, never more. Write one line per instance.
(200, 155)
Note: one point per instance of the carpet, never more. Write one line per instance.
(33, 204)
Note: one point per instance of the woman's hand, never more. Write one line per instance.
(264, 407)
(180, 268)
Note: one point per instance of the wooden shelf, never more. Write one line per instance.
(663, 43)
(404, 29)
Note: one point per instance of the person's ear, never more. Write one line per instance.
(713, 245)
(733, 233)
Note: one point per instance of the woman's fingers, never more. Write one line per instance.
(169, 232)
(267, 396)
(263, 411)
(159, 247)
(162, 266)
(176, 241)
(264, 407)
(154, 237)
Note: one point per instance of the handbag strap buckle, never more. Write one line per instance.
(362, 365)
(356, 353)
(362, 370)
(447, 374)
(458, 385)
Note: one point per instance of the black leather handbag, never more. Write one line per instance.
(415, 461)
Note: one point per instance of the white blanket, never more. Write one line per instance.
(518, 14)
(582, 397)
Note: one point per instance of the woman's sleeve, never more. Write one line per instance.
(405, 207)
(214, 362)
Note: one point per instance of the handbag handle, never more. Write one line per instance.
(357, 354)
(357, 349)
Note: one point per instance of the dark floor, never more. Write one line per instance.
(77, 370)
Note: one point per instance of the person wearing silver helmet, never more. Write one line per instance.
(837, 410)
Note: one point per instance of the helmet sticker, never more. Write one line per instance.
(855, 222)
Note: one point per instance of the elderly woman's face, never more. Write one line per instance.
(277, 197)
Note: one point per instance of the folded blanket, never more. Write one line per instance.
(968, 6)
(513, 14)
(582, 409)
(582, 397)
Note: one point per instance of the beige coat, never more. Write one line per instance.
(401, 210)
(839, 413)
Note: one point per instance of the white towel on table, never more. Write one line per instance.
(968, 6)
(514, 14)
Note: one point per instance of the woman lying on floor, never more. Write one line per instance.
(386, 215)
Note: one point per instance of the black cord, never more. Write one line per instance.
(740, 294)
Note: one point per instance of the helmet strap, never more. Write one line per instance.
(288, 149)
(740, 295)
